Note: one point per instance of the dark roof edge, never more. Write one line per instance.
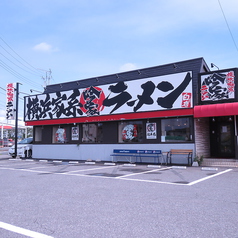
(135, 70)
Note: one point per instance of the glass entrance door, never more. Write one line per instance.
(222, 138)
(226, 140)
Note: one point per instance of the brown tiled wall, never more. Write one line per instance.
(202, 137)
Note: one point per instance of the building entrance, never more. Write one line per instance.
(222, 137)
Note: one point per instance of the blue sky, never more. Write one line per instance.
(83, 39)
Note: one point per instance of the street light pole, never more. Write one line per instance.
(16, 118)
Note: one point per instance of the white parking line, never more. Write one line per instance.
(153, 181)
(26, 170)
(38, 167)
(145, 172)
(123, 177)
(208, 177)
(16, 164)
(82, 170)
(23, 231)
(65, 173)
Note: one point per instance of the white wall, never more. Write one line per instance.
(96, 152)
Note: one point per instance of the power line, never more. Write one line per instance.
(24, 93)
(18, 65)
(17, 60)
(32, 68)
(3, 93)
(19, 93)
(228, 25)
(22, 64)
(18, 75)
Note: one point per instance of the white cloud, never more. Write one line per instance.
(128, 67)
(45, 47)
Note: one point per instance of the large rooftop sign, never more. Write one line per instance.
(218, 86)
(172, 91)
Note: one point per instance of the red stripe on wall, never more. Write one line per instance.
(116, 117)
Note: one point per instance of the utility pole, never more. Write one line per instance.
(47, 77)
(16, 118)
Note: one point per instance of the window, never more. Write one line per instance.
(43, 134)
(59, 135)
(176, 130)
(38, 133)
(130, 131)
(92, 133)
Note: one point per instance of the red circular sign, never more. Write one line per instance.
(91, 100)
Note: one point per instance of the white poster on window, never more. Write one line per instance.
(224, 129)
(129, 133)
(60, 135)
(151, 130)
(75, 133)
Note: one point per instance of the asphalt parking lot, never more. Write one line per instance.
(67, 199)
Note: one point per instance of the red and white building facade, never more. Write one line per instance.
(173, 106)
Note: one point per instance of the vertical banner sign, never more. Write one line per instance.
(151, 130)
(10, 107)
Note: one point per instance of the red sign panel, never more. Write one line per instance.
(186, 100)
(10, 107)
